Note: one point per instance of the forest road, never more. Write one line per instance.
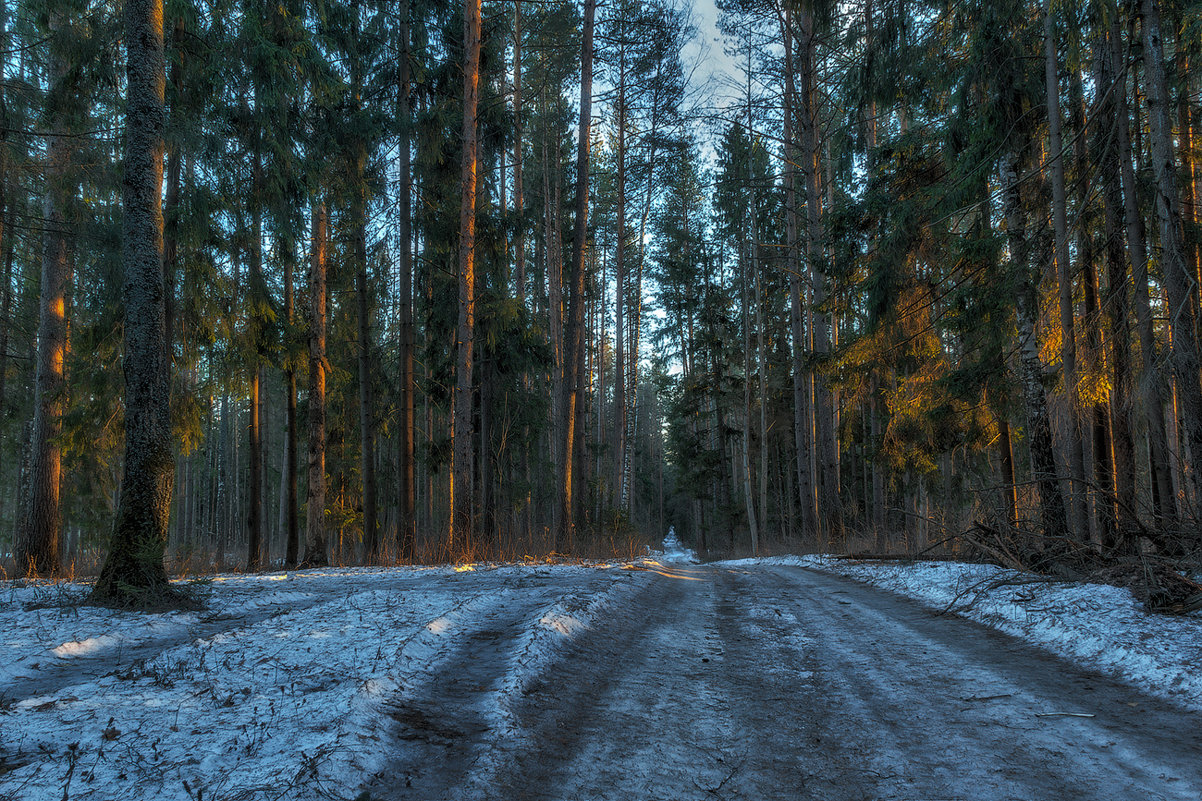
(784, 683)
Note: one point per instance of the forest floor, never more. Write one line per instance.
(653, 679)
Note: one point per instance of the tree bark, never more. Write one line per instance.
(461, 427)
(1151, 383)
(257, 326)
(315, 523)
(802, 380)
(565, 530)
(1177, 279)
(133, 571)
(407, 525)
(1121, 496)
(830, 510)
(37, 547)
(1052, 515)
(367, 427)
(1078, 506)
(620, 385)
(291, 521)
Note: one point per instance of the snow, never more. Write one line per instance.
(283, 685)
(275, 690)
(1098, 626)
(674, 550)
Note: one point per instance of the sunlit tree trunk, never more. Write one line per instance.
(315, 523)
(257, 329)
(1043, 463)
(1177, 278)
(461, 426)
(290, 496)
(1078, 507)
(37, 547)
(575, 338)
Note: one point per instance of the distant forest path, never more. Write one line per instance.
(782, 683)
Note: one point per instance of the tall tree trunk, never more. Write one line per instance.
(620, 385)
(462, 401)
(407, 525)
(1078, 507)
(6, 291)
(1177, 278)
(6, 218)
(367, 427)
(291, 521)
(171, 201)
(745, 265)
(1118, 312)
(763, 383)
(827, 446)
(555, 306)
(575, 339)
(133, 570)
(1043, 463)
(519, 239)
(1152, 384)
(257, 326)
(802, 380)
(37, 548)
(315, 523)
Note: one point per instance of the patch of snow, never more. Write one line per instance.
(675, 551)
(284, 701)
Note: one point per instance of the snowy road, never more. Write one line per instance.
(781, 683)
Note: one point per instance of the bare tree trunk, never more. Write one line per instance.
(1118, 312)
(6, 218)
(801, 376)
(763, 381)
(37, 547)
(519, 234)
(367, 426)
(744, 304)
(827, 446)
(462, 517)
(315, 523)
(6, 292)
(257, 326)
(1177, 278)
(565, 530)
(254, 512)
(171, 201)
(133, 571)
(1043, 462)
(1078, 507)
(555, 305)
(407, 525)
(620, 300)
(291, 521)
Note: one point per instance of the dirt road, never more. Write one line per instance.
(783, 683)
